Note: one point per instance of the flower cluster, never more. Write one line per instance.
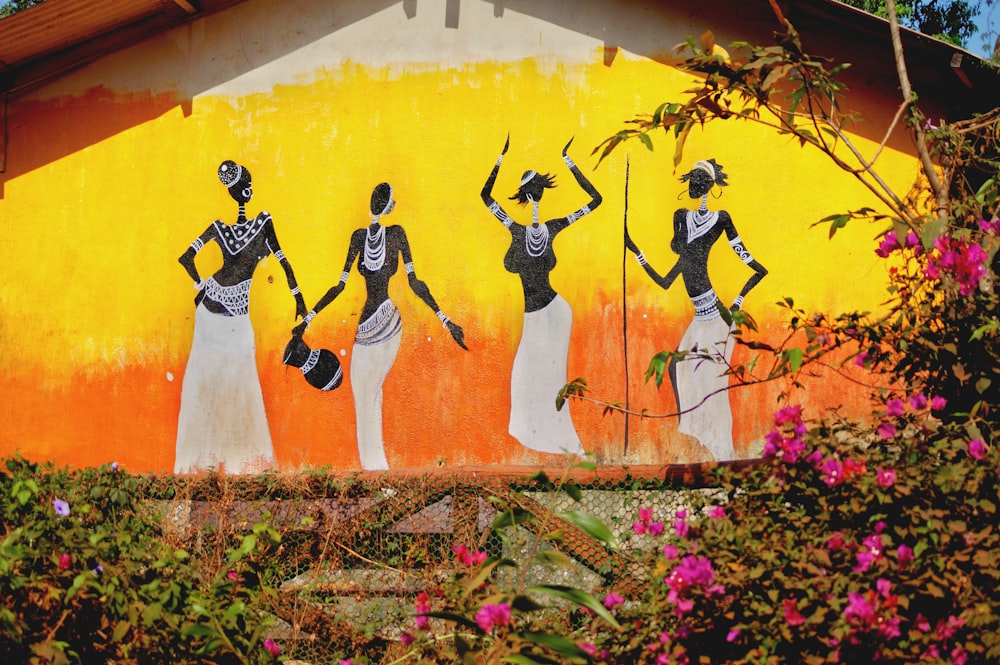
(873, 612)
(890, 243)
(469, 558)
(961, 260)
(645, 524)
(492, 615)
(691, 573)
(785, 442)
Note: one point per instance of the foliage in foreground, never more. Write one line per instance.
(88, 576)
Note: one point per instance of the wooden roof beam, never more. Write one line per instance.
(187, 6)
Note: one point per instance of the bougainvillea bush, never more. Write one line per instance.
(88, 576)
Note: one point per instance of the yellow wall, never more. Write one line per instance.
(106, 186)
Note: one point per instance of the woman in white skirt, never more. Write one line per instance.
(222, 421)
(540, 365)
(700, 383)
(377, 250)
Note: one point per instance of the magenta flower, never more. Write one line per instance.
(938, 403)
(885, 477)
(272, 648)
(639, 528)
(977, 449)
(733, 635)
(717, 512)
(886, 430)
(918, 402)
(872, 551)
(490, 616)
(832, 472)
(959, 656)
(467, 557)
(904, 554)
(65, 561)
(407, 639)
(61, 507)
(646, 514)
(861, 359)
(894, 408)
(670, 551)
(887, 245)
(423, 604)
(791, 610)
(613, 600)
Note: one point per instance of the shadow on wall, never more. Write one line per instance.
(241, 45)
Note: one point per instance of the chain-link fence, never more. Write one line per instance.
(356, 549)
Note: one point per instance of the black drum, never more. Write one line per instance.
(320, 367)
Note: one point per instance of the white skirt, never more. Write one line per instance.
(222, 420)
(370, 364)
(539, 373)
(704, 415)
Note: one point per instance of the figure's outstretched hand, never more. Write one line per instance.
(457, 333)
(567, 146)
(506, 145)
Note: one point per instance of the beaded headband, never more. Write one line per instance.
(230, 173)
(526, 178)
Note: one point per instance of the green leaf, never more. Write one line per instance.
(576, 596)
(573, 491)
(592, 525)
(557, 643)
(525, 659)
(510, 517)
(648, 142)
(794, 358)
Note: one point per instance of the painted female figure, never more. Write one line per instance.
(222, 420)
(539, 370)
(700, 387)
(377, 250)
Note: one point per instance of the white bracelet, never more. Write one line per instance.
(739, 301)
(444, 319)
(343, 277)
(296, 291)
(640, 258)
(569, 161)
(199, 285)
(307, 319)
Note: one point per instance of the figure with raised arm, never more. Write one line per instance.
(700, 385)
(540, 364)
(378, 250)
(222, 420)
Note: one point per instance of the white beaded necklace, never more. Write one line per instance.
(536, 236)
(701, 220)
(374, 257)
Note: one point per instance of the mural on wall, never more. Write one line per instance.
(540, 365)
(377, 250)
(222, 420)
(701, 387)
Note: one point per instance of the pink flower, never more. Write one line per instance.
(904, 554)
(670, 551)
(639, 527)
(990, 226)
(886, 430)
(407, 639)
(938, 403)
(872, 551)
(791, 610)
(959, 656)
(717, 512)
(888, 244)
(65, 560)
(271, 647)
(885, 477)
(646, 514)
(468, 558)
(613, 600)
(832, 472)
(233, 576)
(733, 635)
(490, 616)
(918, 402)
(861, 359)
(977, 449)
(894, 408)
